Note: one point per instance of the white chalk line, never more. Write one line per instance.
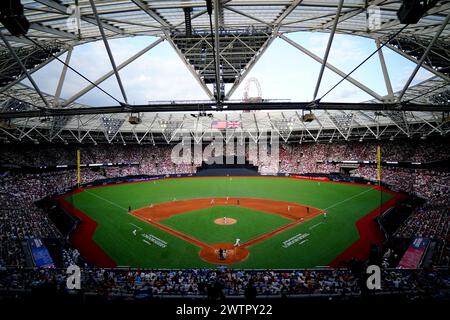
(136, 226)
(109, 201)
(350, 198)
(316, 225)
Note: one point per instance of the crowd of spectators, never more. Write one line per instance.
(20, 219)
(431, 220)
(151, 160)
(433, 185)
(427, 221)
(116, 283)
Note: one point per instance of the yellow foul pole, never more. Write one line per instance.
(78, 168)
(379, 164)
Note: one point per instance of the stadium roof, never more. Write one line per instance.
(245, 30)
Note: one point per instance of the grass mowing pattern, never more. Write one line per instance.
(345, 205)
(250, 224)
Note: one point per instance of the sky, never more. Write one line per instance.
(283, 71)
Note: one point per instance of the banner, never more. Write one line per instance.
(41, 256)
(414, 255)
(312, 178)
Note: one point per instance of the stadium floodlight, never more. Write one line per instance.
(134, 120)
(309, 117)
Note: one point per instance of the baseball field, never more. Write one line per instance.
(241, 222)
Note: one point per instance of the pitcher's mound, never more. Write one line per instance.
(232, 254)
(225, 221)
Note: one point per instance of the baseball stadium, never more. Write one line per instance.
(219, 150)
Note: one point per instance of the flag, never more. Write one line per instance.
(218, 124)
(225, 124)
(233, 124)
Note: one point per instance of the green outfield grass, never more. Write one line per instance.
(250, 224)
(344, 203)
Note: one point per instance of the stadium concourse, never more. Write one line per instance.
(22, 220)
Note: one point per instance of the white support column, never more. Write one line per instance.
(89, 87)
(24, 70)
(62, 78)
(327, 50)
(426, 67)
(108, 50)
(425, 54)
(332, 68)
(217, 47)
(387, 80)
(190, 68)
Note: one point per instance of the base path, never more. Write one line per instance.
(293, 211)
(232, 254)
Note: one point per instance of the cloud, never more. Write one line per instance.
(345, 51)
(283, 71)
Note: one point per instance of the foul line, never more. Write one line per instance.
(352, 197)
(104, 199)
(136, 226)
(317, 224)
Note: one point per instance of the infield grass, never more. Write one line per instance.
(345, 204)
(250, 224)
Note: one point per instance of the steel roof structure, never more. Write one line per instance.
(242, 30)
